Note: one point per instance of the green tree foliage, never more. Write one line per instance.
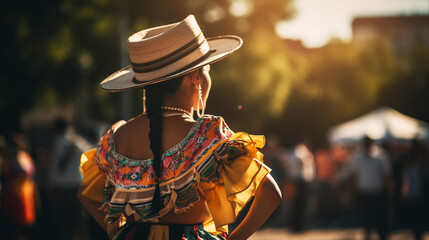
(44, 43)
(255, 79)
(258, 88)
(341, 81)
(58, 51)
(408, 89)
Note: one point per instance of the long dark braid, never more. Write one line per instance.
(154, 100)
(154, 114)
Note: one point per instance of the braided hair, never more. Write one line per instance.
(155, 98)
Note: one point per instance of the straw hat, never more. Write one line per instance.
(165, 52)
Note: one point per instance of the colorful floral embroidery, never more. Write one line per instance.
(134, 180)
(225, 167)
(234, 150)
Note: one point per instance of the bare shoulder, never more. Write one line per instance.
(131, 139)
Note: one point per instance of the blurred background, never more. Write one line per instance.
(315, 76)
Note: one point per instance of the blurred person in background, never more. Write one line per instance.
(64, 181)
(397, 154)
(326, 169)
(300, 173)
(412, 191)
(371, 175)
(164, 174)
(20, 199)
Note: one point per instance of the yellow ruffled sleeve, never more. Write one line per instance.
(93, 179)
(95, 165)
(239, 171)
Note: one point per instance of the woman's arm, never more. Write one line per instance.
(266, 200)
(92, 208)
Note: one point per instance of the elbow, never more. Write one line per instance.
(272, 189)
(278, 196)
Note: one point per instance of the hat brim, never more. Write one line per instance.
(123, 79)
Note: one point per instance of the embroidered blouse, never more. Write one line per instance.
(213, 161)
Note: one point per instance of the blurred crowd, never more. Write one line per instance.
(39, 173)
(379, 186)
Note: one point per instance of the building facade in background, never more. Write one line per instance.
(400, 32)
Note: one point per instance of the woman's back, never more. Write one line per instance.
(131, 140)
(163, 166)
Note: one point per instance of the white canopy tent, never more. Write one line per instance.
(382, 124)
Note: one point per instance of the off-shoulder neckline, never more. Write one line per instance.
(138, 162)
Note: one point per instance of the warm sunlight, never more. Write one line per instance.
(317, 21)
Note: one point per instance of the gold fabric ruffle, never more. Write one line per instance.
(240, 177)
